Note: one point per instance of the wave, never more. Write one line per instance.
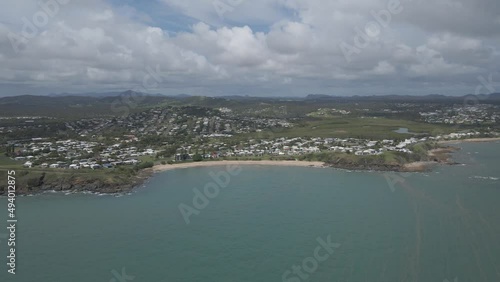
(485, 178)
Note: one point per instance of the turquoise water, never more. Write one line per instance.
(436, 226)
(402, 130)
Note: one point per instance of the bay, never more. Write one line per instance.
(434, 226)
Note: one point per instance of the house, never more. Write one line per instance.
(401, 145)
(74, 166)
(28, 164)
(54, 166)
(95, 166)
(107, 165)
(369, 152)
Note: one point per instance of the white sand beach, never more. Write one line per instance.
(472, 140)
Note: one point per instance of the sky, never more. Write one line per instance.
(260, 48)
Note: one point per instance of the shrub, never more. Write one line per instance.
(197, 158)
(33, 182)
(144, 165)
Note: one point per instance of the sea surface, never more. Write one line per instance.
(271, 224)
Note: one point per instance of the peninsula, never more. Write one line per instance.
(103, 150)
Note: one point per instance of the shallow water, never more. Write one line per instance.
(433, 226)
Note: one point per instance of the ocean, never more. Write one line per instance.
(265, 223)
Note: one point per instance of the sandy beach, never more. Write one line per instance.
(472, 140)
(160, 168)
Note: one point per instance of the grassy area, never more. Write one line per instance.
(145, 159)
(367, 128)
(391, 159)
(7, 162)
(32, 179)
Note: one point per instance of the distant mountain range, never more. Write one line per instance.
(112, 94)
(431, 97)
(114, 103)
(487, 98)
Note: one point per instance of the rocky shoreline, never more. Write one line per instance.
(79, 185)
(76, 184)
(439, 156)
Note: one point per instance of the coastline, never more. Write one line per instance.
(419, 166)
(471, 140)
(167, 167)
(438, 156)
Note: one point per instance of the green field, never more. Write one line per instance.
(366, 128)
(6, 162)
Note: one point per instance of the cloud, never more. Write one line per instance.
(262, 47)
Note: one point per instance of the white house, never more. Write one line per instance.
(95, 166)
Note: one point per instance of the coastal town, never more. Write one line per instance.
(73, 154)
(194, 134)
(104, 151)
(463, 114)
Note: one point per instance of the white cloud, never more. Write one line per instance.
(383, 68)
(91, 44)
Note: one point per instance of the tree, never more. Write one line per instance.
(197, 158)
